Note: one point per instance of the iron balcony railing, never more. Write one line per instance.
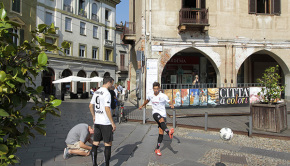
(95, 17)
(209, 85)
(83, 13)
(193, 16)
(129, 28)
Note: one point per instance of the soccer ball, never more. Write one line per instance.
(226, 134)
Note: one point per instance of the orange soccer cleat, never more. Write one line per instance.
(171, 133)
(157, 151)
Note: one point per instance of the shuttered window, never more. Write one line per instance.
(265, 7)
(202, 4)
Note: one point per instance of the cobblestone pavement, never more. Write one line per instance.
(134, 144)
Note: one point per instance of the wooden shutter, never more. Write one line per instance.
(202, 4)
(252, 6)
(21, 36)
(276, 7)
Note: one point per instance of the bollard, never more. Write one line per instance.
(144, 115)
(174, 119)
(250, 126)
(206, 119)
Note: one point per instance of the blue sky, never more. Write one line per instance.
(122, 11)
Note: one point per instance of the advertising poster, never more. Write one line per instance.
(254, 97)
(194, 97)
(213, 96)
(152, 73)
(176, 97)
(168, 92)
(185, 97)
(203, 97)
(234, 96)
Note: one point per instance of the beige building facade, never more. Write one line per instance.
(227, 43)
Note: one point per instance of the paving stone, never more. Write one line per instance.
(204, 136)
(39, 149)
(263, 152)
(188, 163)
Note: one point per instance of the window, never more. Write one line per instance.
(95, 32)
(68, 24)
(107, 14)
(16, 6)
(83, 28)
(193, 4)
(67, 5)
(265, 7)
(106, 34)
(94, 12)
(122, 60)
(95, 53)
(82, 51)
(108, 55)
(67, 51)
(48, 18)
(15, 39)
(50, 41)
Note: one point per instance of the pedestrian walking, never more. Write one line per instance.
(113, 100)
(159, 101)
(76, 140)
(104, 125)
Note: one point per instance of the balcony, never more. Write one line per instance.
(95, 17)
(108, 43)
(83, 13)
(190, 19)
(68, 8)
(129, 33)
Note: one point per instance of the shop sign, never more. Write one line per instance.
(234, 96)
(184, 60)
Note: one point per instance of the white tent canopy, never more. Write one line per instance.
(94, 79)
(71, 79)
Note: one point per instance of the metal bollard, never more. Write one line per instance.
(250, 126)
(206, 120)
(144, 115)
(174, 119)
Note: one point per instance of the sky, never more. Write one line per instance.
(122, 11)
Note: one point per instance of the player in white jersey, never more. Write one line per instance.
(159, 101)
(104, 125)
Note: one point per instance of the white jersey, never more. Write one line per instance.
(101, 99)
(158, 103)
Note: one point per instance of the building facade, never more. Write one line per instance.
(89, 27)
(22, 12)
(227, 43)
(122, 57)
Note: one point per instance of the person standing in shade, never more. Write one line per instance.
(196, 82)
(113, 100)
(104, 125)
(159, 101)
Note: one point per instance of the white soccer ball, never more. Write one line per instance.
(226, 134)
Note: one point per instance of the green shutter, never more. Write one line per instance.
(21, 36)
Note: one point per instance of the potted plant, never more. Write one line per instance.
(271, 113)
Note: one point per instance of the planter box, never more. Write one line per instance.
(271, 118)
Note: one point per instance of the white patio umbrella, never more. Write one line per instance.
(94, 79)
(71, 79)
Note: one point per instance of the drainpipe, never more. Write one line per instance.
(145, 52)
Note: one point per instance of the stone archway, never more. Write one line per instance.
(47, 78)
(94, 84)
(254, 66)
(185, 64)
(81, 86)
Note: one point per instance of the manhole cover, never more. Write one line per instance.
(233, 159)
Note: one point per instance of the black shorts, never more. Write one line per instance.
(157, 117)
(103, 132)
